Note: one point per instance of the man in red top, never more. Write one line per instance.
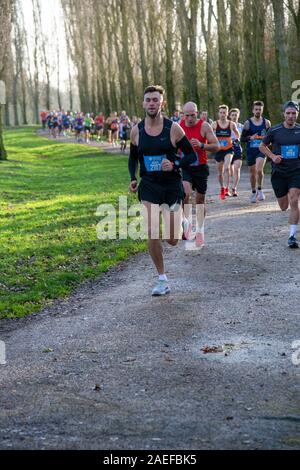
(43, 116)
(202, 138)
(99, 121)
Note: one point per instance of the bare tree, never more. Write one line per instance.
(6, 13)
(187, 12)
(207, 34)
(281, 50)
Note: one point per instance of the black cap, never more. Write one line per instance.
(291, 104)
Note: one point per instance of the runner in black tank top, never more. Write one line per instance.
(153, 146)
(223, 129)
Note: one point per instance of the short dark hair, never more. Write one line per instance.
(291, 104)
(258, 103)
(153, 88)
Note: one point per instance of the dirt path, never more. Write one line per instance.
(156, 389)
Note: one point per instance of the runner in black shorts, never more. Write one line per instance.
(236, 162)
(223, 129)
(255, 128)
(285, 156)
(153, 146)
(202, 138)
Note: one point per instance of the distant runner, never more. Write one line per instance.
(255, 128)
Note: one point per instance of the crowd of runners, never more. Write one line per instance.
(172, 154)
(90, 126)
(229, 131)
(172, 157)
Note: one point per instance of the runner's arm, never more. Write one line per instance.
(235, 130)
(182, 143)
(212, 144)
(245, 137)
(133, 155)
(264, 149)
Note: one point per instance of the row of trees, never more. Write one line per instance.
(209, 51)
(231, 51)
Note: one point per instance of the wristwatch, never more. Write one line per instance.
(202, 145)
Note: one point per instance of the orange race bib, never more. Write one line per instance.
(225, 142)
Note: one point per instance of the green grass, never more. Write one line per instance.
(49, 193)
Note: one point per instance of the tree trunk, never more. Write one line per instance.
(3, 153)
(140, 32)
(223, 54)
(206, 30)
(36, 98)
(169, 6)
(281, 51)
(6, 12)
(235, 55)
(188, 30)
(125, 16)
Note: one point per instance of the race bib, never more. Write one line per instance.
(255, 143)
(153, 162)
(289, 151)
(224, 144)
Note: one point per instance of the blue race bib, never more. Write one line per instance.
(255, 143)
(223, 143)
(153, 162)
(289, 151)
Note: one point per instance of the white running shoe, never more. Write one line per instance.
(253, 197)
(260, 195)
(161, 288)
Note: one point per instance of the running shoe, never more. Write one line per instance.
(227, 192)
(199, 239)
(260, 195)
(292, 242)
(234, 192)
(161, 288)
(253, 197)
(222, 193)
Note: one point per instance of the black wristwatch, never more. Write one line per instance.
(202, 145)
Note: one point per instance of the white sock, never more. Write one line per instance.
(293, 230)
(185, 221)
(163, 277)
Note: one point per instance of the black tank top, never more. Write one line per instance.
(153, 149)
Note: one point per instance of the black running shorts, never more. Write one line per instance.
(282, 182)
(167, 192)
(197, 176)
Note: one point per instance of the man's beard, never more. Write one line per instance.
(153, 116)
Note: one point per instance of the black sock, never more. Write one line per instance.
(259, 188)
(253, 191)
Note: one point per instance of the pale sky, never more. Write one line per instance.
(51, 11)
